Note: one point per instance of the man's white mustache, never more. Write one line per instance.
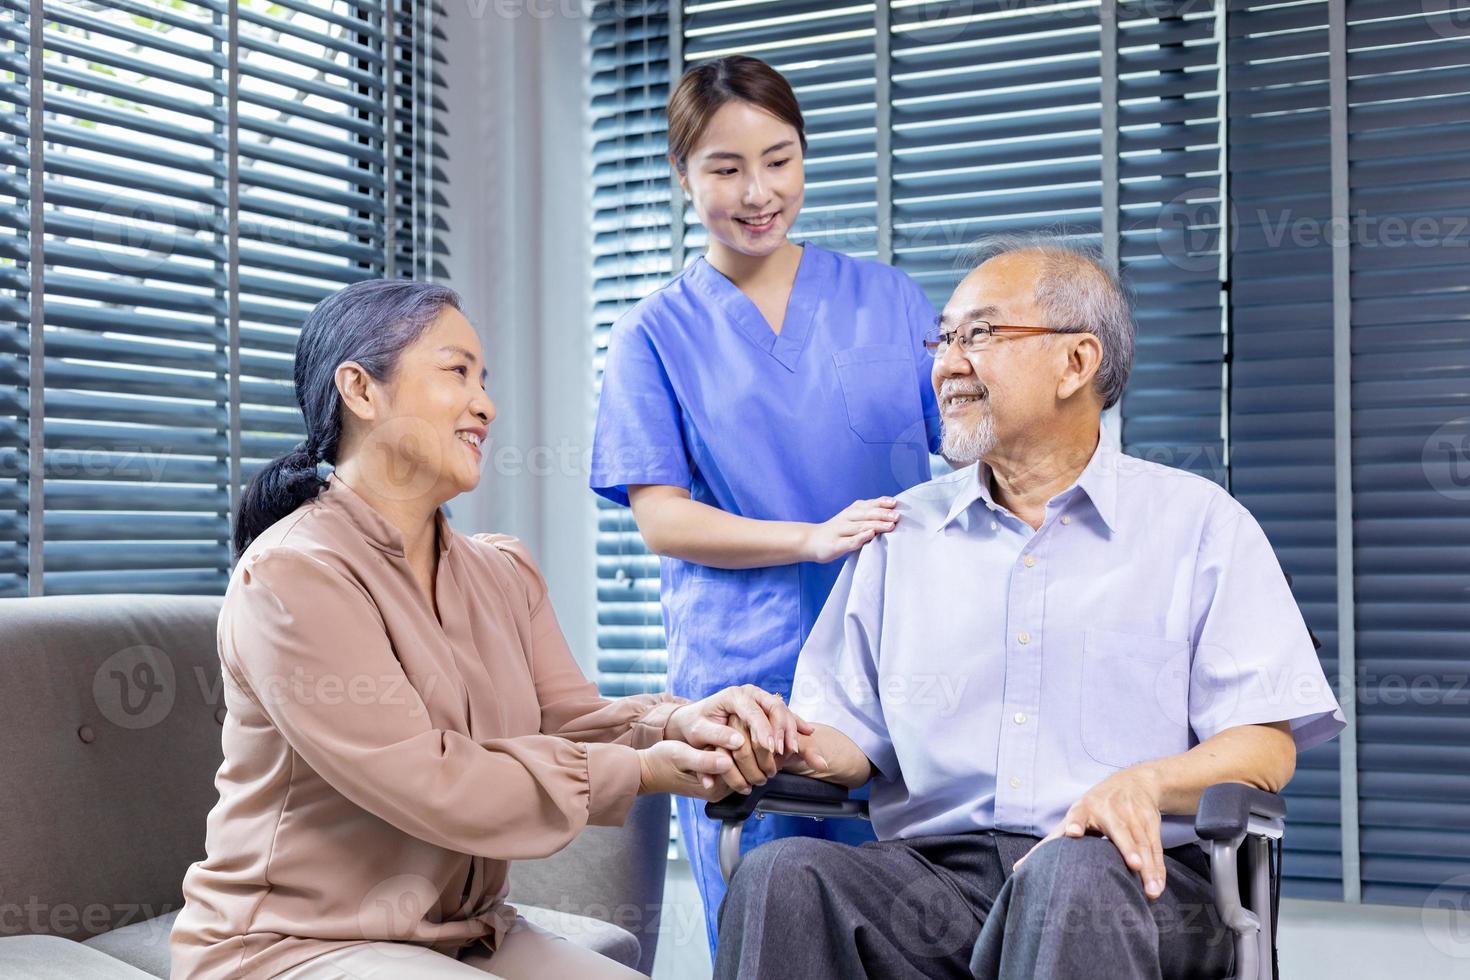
(953, 389)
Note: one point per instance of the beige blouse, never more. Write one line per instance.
(381, 767)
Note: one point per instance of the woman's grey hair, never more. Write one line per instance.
(370, 323)
(1077, 294)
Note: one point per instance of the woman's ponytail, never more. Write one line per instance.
(284, 484)
(368, 323)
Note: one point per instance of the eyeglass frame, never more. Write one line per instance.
(991, 330)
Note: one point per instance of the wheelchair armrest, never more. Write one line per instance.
(1229, 810)
(789, 793)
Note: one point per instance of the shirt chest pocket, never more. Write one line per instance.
(880, 388)
(1135, 697)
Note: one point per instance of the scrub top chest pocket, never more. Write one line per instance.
(880, 386)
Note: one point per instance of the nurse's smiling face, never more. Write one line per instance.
(746, 179)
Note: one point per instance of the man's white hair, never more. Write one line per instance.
(1077, 294)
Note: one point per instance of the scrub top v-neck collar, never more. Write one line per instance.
(806, 293)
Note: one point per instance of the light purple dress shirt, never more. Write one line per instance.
(993, 673)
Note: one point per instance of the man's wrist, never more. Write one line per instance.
(1151, 777)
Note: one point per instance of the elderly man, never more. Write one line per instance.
(1041, 668)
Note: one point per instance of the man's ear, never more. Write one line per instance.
(361, 395)
(1083, 359)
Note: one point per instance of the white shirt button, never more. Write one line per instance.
(1024, 638)
(1015, 783)
(993, 525)
(1066, 519)
(1020, 717)
(1030, 560)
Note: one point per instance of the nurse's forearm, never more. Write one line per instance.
(675, 526)
(847, 764)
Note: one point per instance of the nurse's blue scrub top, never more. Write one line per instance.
(699, 392)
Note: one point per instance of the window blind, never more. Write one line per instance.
(208, 171)
(1408, 128)
(1195, 142)
(632, 223)
(1281, 408)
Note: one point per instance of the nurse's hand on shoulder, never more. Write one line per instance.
(677, 767)
(854, 526)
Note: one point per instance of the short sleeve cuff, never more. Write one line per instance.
(1308, 729)
(874, 745)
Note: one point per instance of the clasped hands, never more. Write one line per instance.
(728, 742)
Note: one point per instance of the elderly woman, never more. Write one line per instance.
(404, 715)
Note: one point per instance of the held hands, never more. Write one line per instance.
(853, 527)
(1124, 808)
(676, 767)
(750, 730)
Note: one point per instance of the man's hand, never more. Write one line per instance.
(1124, 808)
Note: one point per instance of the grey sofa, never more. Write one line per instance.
(110, 710)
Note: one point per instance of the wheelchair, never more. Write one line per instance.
(1240, 826)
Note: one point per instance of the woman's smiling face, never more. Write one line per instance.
(436, 414)
(746, 179)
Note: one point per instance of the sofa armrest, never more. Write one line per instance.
(615, 874)
(55, 958)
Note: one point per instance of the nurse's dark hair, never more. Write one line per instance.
(368, 323)
(707, 87)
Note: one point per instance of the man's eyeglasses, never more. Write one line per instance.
(977, 335)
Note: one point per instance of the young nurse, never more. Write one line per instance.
(759, 412)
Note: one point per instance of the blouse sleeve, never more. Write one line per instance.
(292, 623)
(570, 704)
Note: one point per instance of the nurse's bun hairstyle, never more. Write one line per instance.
(706, 87)
(369, 323)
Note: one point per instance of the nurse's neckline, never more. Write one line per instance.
(747, 305)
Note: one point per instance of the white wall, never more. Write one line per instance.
(1333, 941)
(518, 242)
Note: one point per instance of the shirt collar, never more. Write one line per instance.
(1098, 482)
(381, 532)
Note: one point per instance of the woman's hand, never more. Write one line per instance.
(675, 767)
(854, 526)
(754, 726)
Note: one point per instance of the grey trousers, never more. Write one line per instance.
(952, 907)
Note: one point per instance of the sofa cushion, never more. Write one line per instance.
(142, 944)
(111, 707)
(54, 958)
(614, 942)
